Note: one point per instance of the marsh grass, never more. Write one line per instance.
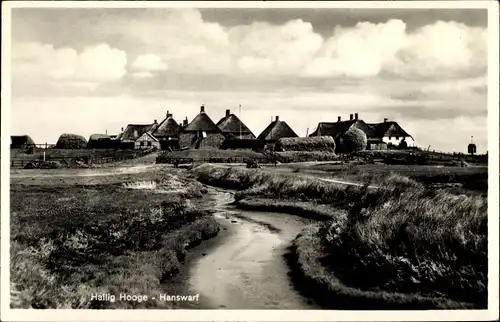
(403, 239)
(69, 242)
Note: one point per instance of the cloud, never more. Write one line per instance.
(367, 50)
(32, 62)
(279, 50)
(148, 63)
(251, 54)
(443, 48)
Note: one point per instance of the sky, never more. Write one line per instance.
(95, 70)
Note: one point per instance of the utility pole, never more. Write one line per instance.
(240, 121)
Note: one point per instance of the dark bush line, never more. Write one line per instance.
(307, 277)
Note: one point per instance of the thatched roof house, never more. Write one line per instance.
(388, 129)
(337, 129)
(202, 132)
(21, 142)
(233, 127)
(167, 129)
(277, 130)
(134, 131)
(377, 133)
(317, 143)
(71, 141)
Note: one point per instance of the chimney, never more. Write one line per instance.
(339, 119)
(168, 114)
(156, 122)
(350, 117)
(277, 118)
(202, 109)
(385, 120)
(185, 121)
(355, 116)
(228, 112)
(122, 129)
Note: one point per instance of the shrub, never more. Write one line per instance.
(71, 141)
(354, 140)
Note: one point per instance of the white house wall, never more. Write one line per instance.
(146, 138)
(396, 141)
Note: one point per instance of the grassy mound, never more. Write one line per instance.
(306, 258)
(70, 242)
(402, 239)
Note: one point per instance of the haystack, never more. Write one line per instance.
(71, 141)
(354, 140)
(316, 143)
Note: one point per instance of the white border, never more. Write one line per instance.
(260, 315)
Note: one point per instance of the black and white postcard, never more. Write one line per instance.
(249, 161)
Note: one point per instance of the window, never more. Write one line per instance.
(397, 137)
(142, 143)
(149, 143)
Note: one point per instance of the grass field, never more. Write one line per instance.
(468, 178)
(405, 240)
(78, 236)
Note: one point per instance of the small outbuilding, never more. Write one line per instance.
(102, 141)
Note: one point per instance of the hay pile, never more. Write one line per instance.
(71, 141)
(354, 140)
(316, 143)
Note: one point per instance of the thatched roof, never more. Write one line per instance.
(95, 137)
(134, 131)
(71, 141)
(167, 128)
(276, 130)
(20, 140)
(202, 122)
(338, 129)
(231, 124)
(388, 128)
(147, 134)
(317, 143)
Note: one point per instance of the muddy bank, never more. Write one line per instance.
(244, 267)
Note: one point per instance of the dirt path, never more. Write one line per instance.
(246, 268)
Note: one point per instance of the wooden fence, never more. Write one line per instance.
(87, 159)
